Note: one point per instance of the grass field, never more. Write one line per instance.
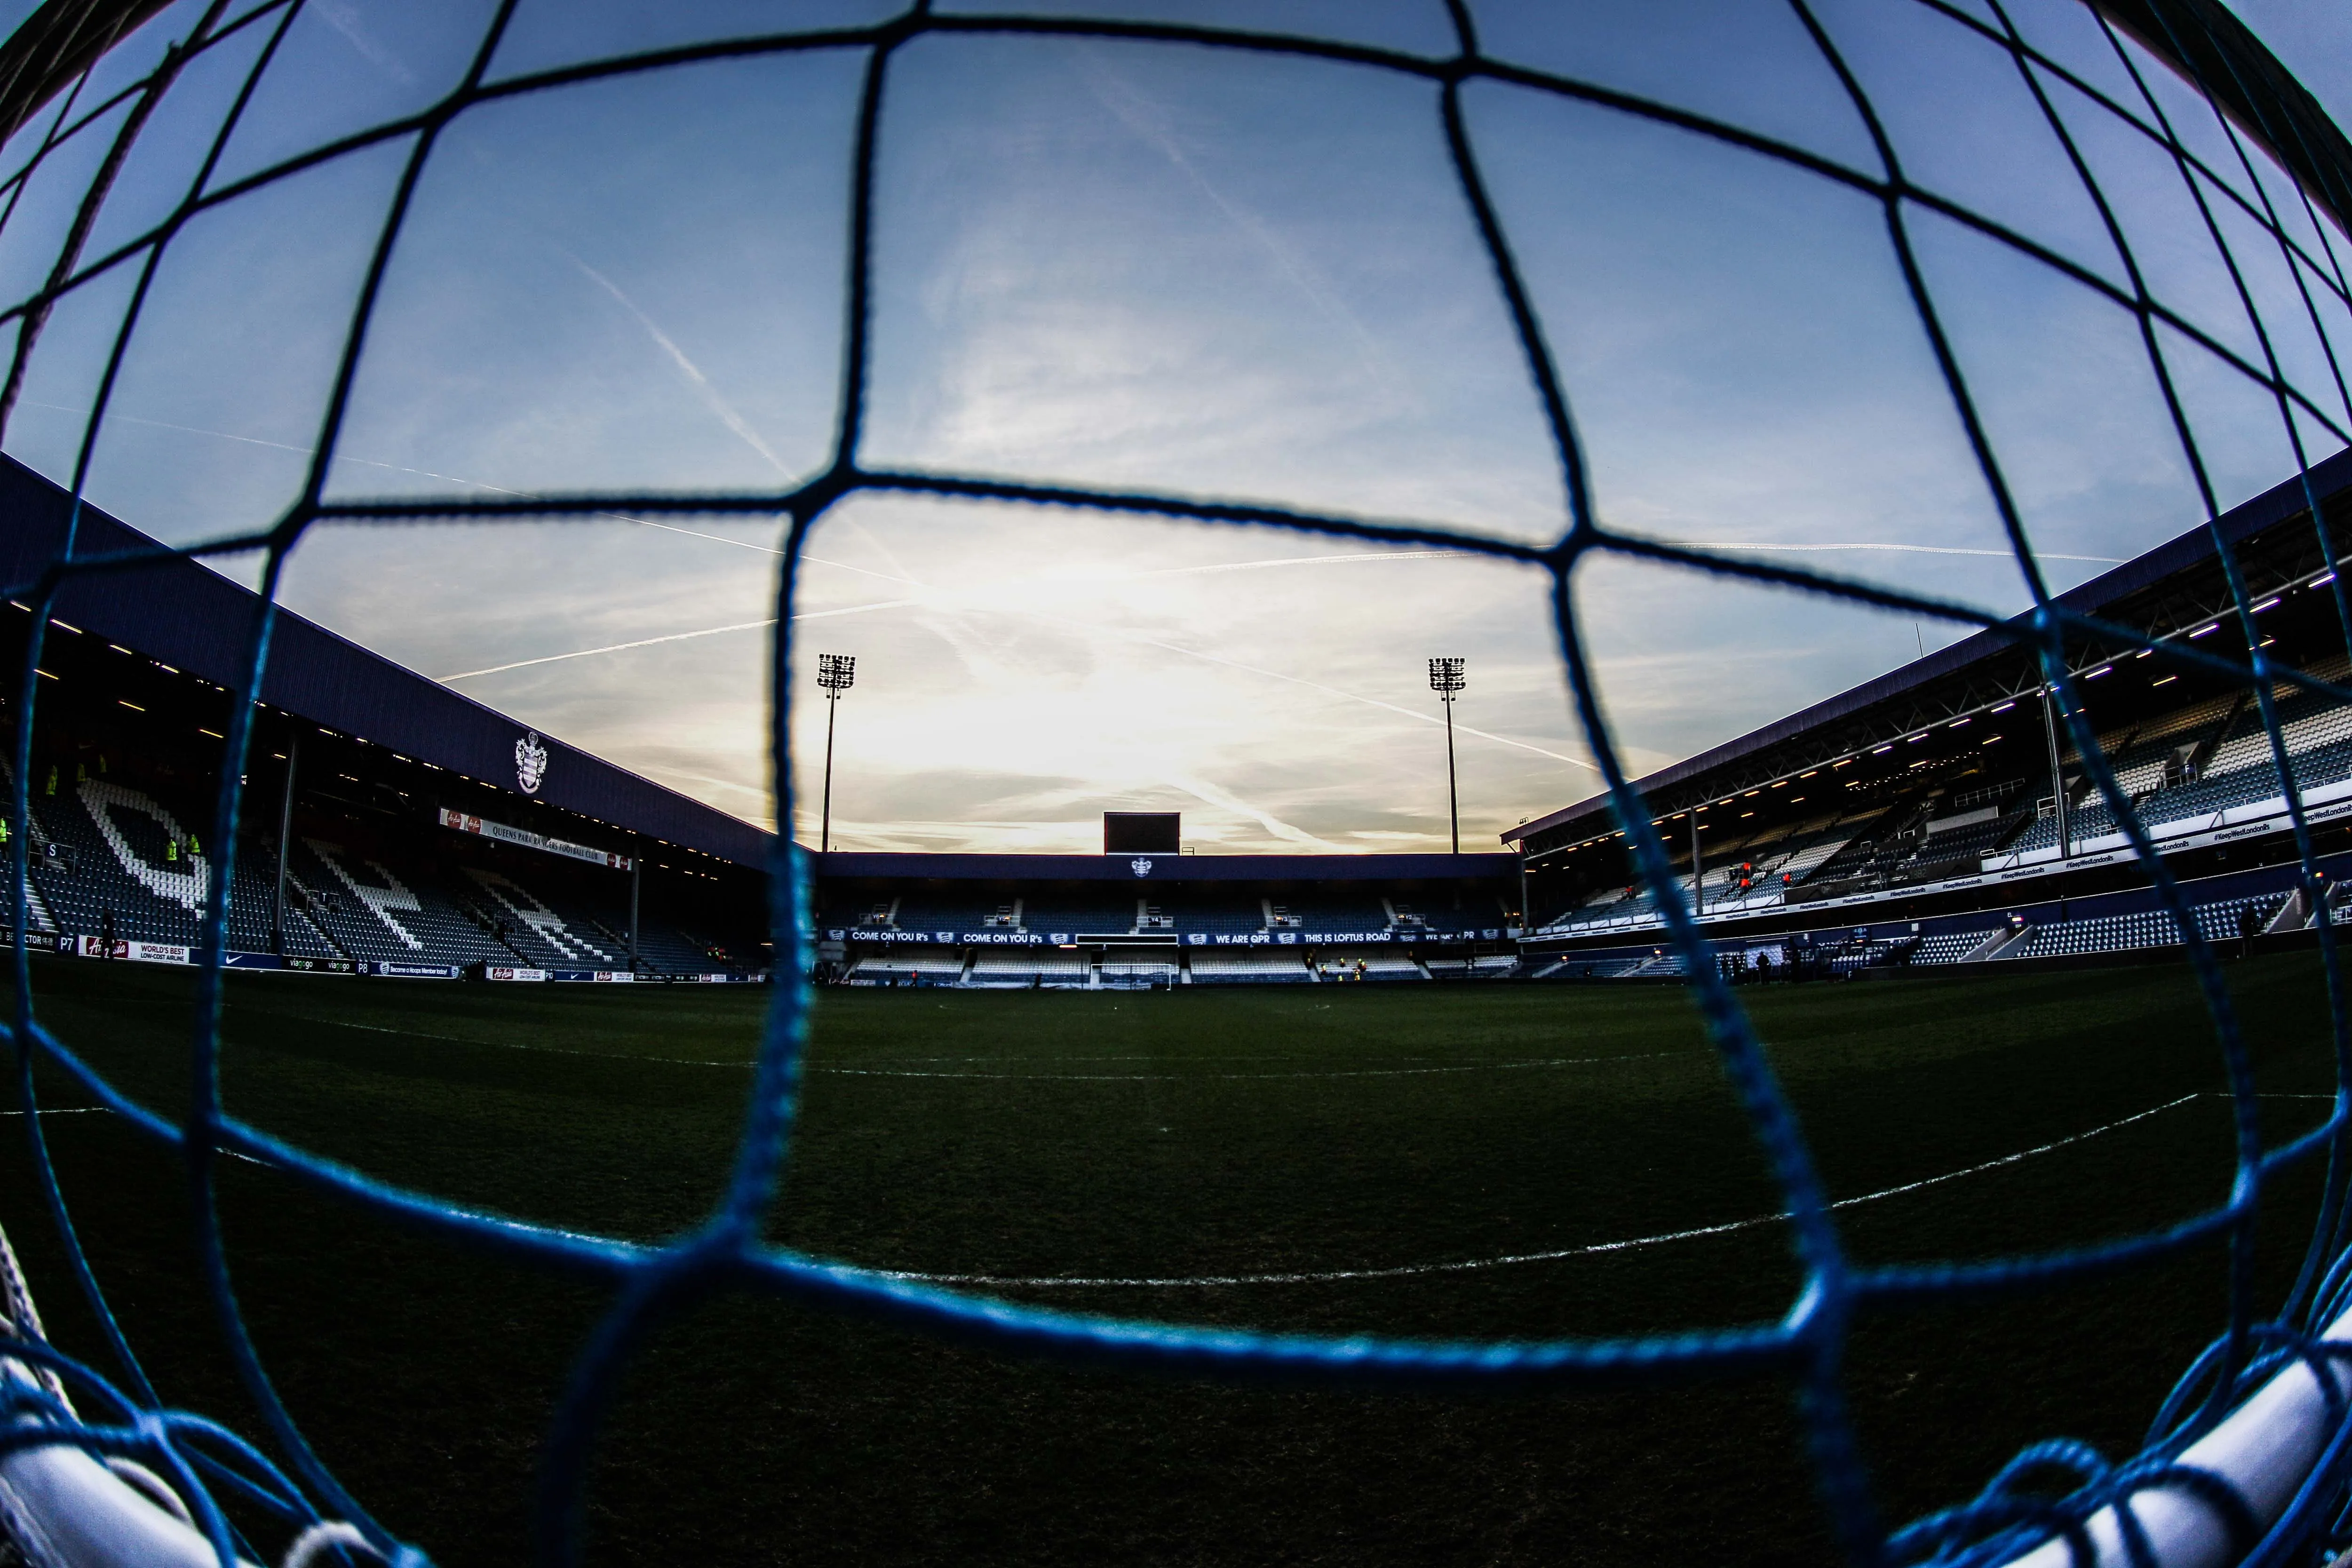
(1169, 1136)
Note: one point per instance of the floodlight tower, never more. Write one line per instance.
(835, 673)
(1445, 679)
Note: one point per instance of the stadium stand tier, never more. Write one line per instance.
(389, 815)
(117, 862)
(1914, 822)
(1164, 920)
(1954, 788)
(1923, 797)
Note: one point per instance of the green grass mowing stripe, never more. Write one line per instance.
(1472, 1265)
(757, 1433)
(1303, 1072)
(414, 1034)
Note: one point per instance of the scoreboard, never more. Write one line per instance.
(1143, 832)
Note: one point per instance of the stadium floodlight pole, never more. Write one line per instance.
(636, 874)
(284, 836)
(1526, 925)
(1698, 898)
(836, 673)
(2057, 773)
(1445, 679)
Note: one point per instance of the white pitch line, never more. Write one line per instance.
(1002, 1281)
(108, 1109)
(1187, 1077)
(1014, 1076)
(511, 1045)
(1160, 1058)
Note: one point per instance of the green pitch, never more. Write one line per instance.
(1204, 1134)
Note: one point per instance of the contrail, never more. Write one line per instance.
(1054, 620)
(1288, 560)
(429, 474)
(608, 647)
(1349, 560)
(673, 637)
(1203, 790)
(1142, 641)
(1159, 571)
(1132, 108)
(1912, 549)
(711, 399)
(1340, 560)
(716, 783)
(342, 16)
(1083, 628)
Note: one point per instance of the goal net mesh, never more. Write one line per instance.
(2264, 178)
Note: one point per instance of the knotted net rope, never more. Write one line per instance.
(122, 1415)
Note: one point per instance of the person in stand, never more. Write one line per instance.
(106, 933)
(1763, 969)
(2249, 925)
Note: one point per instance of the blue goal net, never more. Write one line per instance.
(2119, 101)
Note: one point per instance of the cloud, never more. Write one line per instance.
(1144, 266)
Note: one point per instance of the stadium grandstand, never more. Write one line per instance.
(425, 835)
(392, 827)
(1939, 816)
(1915, 820)
(1127, 921)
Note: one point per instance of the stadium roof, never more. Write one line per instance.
(172, 609)
(1988, 666)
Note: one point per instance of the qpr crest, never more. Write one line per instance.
(1140, 865)
(530, 762)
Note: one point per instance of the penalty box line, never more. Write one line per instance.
(1519, 1065)
(1466, 1266)
(1205, 1077)
(1408, 1271)
(108, 1111)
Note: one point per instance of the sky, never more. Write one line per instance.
(1203, 273)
